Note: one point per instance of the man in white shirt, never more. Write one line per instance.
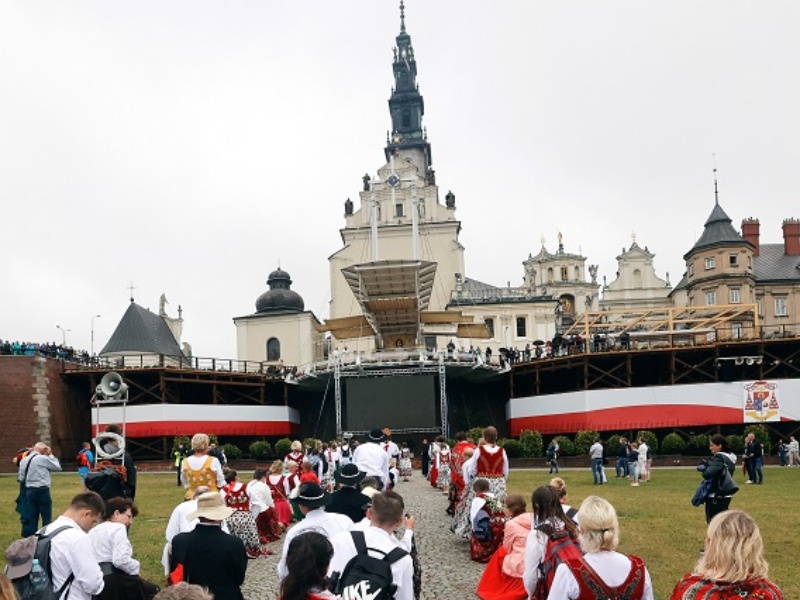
(385, 515)
(311, 500)
(372, 459)
(392, 449)
(71, 550)
(596, 454)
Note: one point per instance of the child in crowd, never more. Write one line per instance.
(502, 578)
(488, 522)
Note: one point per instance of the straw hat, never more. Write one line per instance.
(210, 506)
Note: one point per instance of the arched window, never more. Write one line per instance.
(637, 279)
(273, 349)
(577, 273)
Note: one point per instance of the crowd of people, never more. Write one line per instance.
(49, 350)
(347, 532)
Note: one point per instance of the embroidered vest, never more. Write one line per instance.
(202, 476)
(236, 496)
(491, 465)
(277, 489)
(593, 588)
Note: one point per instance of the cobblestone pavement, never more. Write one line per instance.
(447, 570)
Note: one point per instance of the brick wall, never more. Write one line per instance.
(36, 405)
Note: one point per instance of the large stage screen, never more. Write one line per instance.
(394, 402)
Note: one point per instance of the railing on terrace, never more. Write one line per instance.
(197, 363)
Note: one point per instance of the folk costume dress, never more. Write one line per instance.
(297, 457)
(482, 551)
(694, 586)
(242, 523)
(609, 573)
(279, 486)
(405, 463)
(502, 578)
(443, 481)
(490, 463)
(434, 472)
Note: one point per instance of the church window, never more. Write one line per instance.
(406, 119)
(710, 263)
(550, 275)
(273, 349)
(637, 279)
(489, 322)
(522, 329)
(735, 295)
(398, 209)
(733, 260)
(577, 273)
(564, 274)
(711, 297)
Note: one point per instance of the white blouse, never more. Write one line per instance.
(111, 544)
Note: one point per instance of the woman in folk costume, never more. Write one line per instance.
(241, 523)
(487, 520)
(443, 481)
(460, 511)
(278, 484)
(434, 472)
(199, 469)
(296, 455)
(262, 506)
(489, 462)
(405, 462)
(502, 578)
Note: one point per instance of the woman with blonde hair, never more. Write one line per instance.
(732, 565)
(601, 567)
(280, 488)
(560, 486)
(199, 469)
(296, 455)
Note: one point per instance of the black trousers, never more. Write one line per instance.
(715, 505)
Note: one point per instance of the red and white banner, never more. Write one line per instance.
(653, 407)
(151, 420)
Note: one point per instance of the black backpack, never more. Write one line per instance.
(23, 586)
(365, 576)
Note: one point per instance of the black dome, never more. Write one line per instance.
(280, 296)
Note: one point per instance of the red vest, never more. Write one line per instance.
(592, 588)
(236, 496)
(491, 465)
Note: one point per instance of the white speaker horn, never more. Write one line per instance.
(112, 386)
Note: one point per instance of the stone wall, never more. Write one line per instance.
(36, 406)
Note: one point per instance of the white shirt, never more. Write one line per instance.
(390, 448)
(71, 552)
(405, 541)
(377, 539)
(371, 459)
(794, 446)
(642, 454)
(260, 497)
(596, 451)
(197, 462)
(612, 567)
(534, 553)
(328, 524)
(111, 544)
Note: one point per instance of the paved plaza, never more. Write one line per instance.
(447, 570)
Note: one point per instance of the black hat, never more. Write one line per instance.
(350, 475)
(311, 495)
(376, 435)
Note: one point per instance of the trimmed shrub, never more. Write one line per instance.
(531, 442)
(649, 438)
(512, 447)
(672, 444)
(611, 444)
(213, 439)
(736, 443)
(282, 447)
(697, 446)
(232, 451)
(583, 441)
(475, 434)
(566, 445)
(308, 443)
(260, 450)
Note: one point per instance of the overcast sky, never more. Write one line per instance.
(190, 146)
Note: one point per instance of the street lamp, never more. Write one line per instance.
(63, 335)
(91, 348)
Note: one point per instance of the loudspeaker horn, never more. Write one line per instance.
(112, 386)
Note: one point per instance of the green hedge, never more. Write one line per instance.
(282, 447)
(672, 444)
(260, 450)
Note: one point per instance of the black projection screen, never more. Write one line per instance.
(394, 402)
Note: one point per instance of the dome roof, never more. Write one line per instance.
(280, 297)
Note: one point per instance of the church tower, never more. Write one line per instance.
(400, 216)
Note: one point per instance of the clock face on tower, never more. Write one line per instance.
(393, 180)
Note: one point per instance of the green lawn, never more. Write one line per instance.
(657, 519)
(659, 523)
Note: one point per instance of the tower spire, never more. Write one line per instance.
(716, 190)
(406, 105)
